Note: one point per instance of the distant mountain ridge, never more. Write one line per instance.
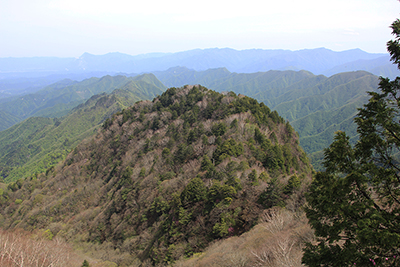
(317, 61)
(58, 99)
(38, 143)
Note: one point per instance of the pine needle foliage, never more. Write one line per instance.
(354, 205)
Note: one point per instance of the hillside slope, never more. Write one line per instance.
(58, 99)
(38, 143)
(161, 180)
(7, 119)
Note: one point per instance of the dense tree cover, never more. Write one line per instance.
(163, 179)
(354, 206)
(316, 106)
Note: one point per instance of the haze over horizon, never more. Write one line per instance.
(70, 28)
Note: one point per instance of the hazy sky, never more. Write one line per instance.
(68, 28)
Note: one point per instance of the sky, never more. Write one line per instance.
(69, 28)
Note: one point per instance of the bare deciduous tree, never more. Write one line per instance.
(19, 249)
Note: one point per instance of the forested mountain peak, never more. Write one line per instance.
(164, 178)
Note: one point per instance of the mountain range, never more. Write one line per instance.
(59, 98)
(318, 61)
(316, 106)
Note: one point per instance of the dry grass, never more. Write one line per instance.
(277, 241)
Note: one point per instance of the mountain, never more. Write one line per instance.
(58, 99)
(39, 143)
(164, 179)
(318, 61)
(7, 119)
(12, 85)
(22, 76)
(317, 106)
(380, 66)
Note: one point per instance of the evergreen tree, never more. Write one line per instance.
(194, 192)
(85, 263)
(354, 205)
